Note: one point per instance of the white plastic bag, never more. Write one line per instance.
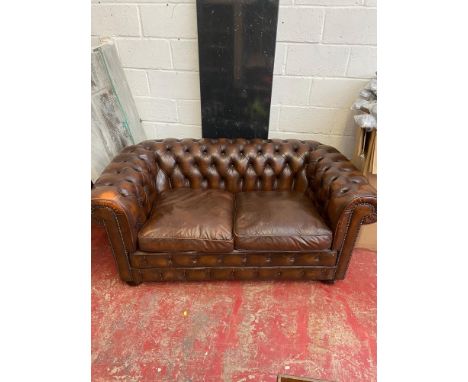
(366, 121)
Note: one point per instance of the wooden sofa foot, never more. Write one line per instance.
(133, 283)
(330, 282)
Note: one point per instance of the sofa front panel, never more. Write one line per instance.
(141, 259)
(234, 165)
(231, 273)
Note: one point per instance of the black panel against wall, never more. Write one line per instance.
(236, 44)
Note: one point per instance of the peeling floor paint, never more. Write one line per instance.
(232, 331)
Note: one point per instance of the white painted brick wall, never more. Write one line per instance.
(169, 20)
(138, 82)
(362, 61)
(300, 24)
(318, 75)
(155, 109)
(316, 60)
(144, 54)
(171, 130)
(185, 54)
(350, 26)
(290, 90)
(334, 92)
(114, 20)
(174, 85)
(189, 112)
(325, 53)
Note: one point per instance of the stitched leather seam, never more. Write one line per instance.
(238, 273)
(325, 252)
(184, 238)
(351, 218)
(110, 241)
(120, 235)
(273, 236)
(234, 217)
(347, 230)
(282, 267)
(352, 246)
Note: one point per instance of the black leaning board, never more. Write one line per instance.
(236, 45)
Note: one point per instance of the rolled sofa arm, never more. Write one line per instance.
(344, 197)
(121, 200)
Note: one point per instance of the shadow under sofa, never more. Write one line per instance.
(232, 209)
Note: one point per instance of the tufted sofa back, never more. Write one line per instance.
(230, 164)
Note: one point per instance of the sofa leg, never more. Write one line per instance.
(330, 282)
(133, 283)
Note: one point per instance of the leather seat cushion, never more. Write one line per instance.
(278, 221)
(189, 220)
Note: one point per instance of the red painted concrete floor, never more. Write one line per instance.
(232, 331)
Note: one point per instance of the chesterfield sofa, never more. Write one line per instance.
(232, 209)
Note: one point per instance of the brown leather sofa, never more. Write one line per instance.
(201, 209)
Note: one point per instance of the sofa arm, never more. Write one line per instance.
(122, 198)
(344, 197)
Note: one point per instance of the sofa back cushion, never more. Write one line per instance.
(234, 165)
